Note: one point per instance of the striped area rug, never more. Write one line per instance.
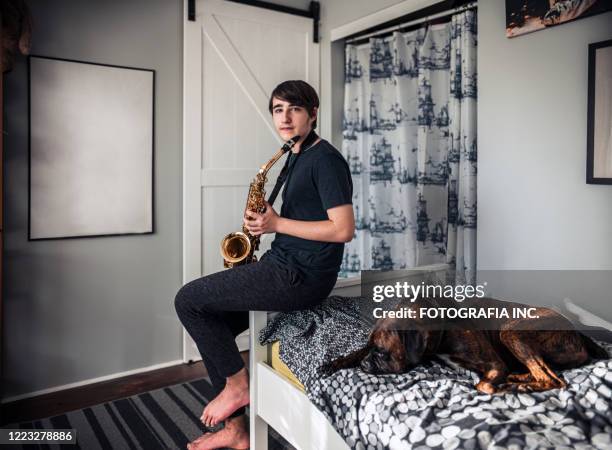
(166, 418)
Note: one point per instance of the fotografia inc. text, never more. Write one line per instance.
(455, 313)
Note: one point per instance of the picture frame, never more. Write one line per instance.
(527, 16)
(91, 149)
(599, 114)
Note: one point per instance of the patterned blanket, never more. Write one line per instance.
(434, 405)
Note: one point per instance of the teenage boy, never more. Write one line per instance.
(298, 272)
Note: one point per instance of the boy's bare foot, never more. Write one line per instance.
(234, 395)
(234, 435)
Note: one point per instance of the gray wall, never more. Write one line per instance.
(83, 308)
(535, 210)
(77, 309)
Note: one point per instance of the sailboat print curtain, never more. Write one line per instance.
(409, 135)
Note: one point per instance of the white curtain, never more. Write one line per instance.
(409, 135)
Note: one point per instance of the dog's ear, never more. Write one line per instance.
(414, 345)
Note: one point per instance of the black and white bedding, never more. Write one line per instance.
(435, 405)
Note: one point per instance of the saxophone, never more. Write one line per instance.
(239, 247)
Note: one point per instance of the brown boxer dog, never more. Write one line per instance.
(511, 354)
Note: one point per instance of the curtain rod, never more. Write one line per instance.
(415, 22)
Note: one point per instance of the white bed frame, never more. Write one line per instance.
(278, 403)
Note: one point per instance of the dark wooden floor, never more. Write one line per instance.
(82, 397)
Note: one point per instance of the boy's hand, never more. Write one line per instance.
(261, 223)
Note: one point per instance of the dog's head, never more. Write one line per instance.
(394, 349)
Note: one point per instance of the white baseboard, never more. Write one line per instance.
(91, 381)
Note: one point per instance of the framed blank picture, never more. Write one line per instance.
(91, 149)
(599, 115)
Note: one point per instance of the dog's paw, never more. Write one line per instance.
(519, 377)
(486, 387)
(525, 387)
(528, 387)
(507, 387)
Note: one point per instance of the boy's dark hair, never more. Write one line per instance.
(299, 93)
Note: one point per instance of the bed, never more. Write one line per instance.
(433, 406)
(279, 400)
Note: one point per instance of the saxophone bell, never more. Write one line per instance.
(235, 249)
(239, 247)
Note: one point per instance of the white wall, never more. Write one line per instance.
(535, 210)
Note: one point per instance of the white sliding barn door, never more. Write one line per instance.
(234, 55)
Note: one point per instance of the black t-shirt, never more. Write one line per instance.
(319, 180)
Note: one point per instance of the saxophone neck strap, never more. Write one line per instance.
(286, 170)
